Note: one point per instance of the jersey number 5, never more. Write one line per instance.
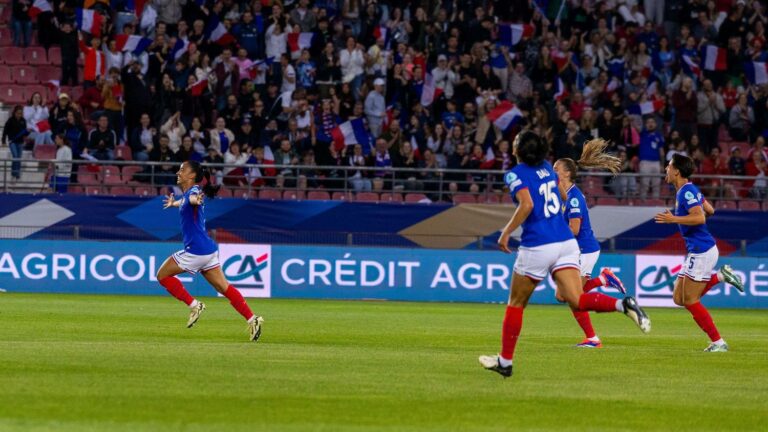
(551, 200)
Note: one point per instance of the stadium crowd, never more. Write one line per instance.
(268, 82)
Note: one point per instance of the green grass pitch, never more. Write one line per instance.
(114, 363)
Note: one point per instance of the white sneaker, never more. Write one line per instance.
(194, 314)
(254, 327)
(714, 347)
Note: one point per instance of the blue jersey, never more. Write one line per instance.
(650, 143)
(545, 224)
(196, 240)
(697, 237)
(576, 207)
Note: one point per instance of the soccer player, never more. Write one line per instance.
(200, 253)
(546, 246)
(577, 216)
(696, 278)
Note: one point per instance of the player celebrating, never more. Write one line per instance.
(200, 253)
(546, 246)
(577, 215)
(697, 277)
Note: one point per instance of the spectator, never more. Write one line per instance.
(736, 163)
(260, 176)
(624, 185)
(758, 147)
(756, 167)
(36, 115)
(21, 23)
(138, 96)
(169, 12)
(740, 119)
(248, 35)
(444, 77)
(375, 107)
(102, 141)
(285, 157)
(68, 39)
(211, 159)
(63, 166)
(94, 60)
(304, 16)
(277, 39)
(651, 154)
(359, 180)
(221, 137)
(75, 132)
(91, 102)
(142, 139)
(684, 101)
(200, 137)
(570, 143)
(352, 61)
(14, 132)
(235, 175)
(175, 130)
(163, 174)
(381, 159)
(676, 146)
(438, 143)
(710, 107)
(715, 164)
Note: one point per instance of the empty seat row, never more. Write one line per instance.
(13, 55)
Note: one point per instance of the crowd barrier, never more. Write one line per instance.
(354, 273)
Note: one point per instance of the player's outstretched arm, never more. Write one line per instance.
(524, 208)
(695, 217)
(196, 199)
(170, 202)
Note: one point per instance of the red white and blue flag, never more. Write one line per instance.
(380, 32)
(756, 72)
(89, 21)
(690, 66)
(53, 85)
(299, 41)
(505, 115)
(429, 93)
(179, 48)
(561, 92)
(132, 43)
(198, 88)
(511, 34)
(350, 133)
(38, 7)
(217, 33)
(259, 67)
(714, 58)
(646, 108)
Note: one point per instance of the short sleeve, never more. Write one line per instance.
(194, 190)
(691, 199)
(514, 183)
(574, 208)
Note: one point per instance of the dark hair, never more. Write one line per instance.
(209, 189)
(684, 164)
(531, 149)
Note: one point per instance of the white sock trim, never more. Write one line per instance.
(194, 304)
(504, 362)
(719, 342)
(619, 306)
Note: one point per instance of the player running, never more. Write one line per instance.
(546, 246)
(200, 253)
(577, 215)
(696, 278)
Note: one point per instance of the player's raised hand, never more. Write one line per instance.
(666, 217)
(169, 201)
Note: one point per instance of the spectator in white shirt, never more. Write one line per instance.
(34, 113)
(376, 107)
(352, 61)
(277, 40)
(443, 77)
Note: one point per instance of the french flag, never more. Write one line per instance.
(756, 72)
(646, 108)
(53, 85)
(217, 33)
(380, 32)
(505, 115)
(198, 88)
(714, 58)
(612, 85)
(429, 93)
(298, 42)
(135, 6)
(132, 43)
(38, 7)
(351, 132)
(269, 159)
(179, 48)
(260, 67)
(511, 34)
(561, 92)
(690, 66)
(89, 21)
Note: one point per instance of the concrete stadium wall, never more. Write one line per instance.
(354, 273)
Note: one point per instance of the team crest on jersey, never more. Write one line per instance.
(574, 202)
(510, 177)
(690, 197)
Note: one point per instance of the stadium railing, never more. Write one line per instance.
(412, 185)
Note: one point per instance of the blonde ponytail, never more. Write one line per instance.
(594, 156)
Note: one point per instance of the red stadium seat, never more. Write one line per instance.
(392, 197)
(464, 199)
(749, 205)
(5, 16)
(608, 201)
(77, 190)
(54, 56)
(48, 73)
(6, 38)
(94, 190)
(35, 56)
(144, 191)
(128, 172)
(341, 196)
(224, 193)
(506, 199)
(415, 198)
(5, 75)
(269, 194)
(123, 152)
(318, 195)
(111, 175)
(121, 190)
(12, 55)
(12, 95)
(726, 205)
(294, 195)
(87, 178)
(367, 197)
(29, 90)
(24, 74)
(44, 152)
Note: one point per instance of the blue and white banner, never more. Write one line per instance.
(340, 273)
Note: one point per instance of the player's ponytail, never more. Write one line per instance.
(209, 189)
(594, 156)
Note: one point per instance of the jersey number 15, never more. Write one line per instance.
(551, 199)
